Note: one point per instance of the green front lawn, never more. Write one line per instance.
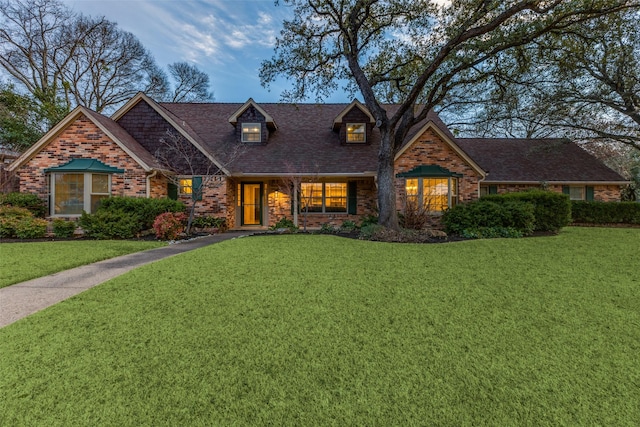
(320, 330)
(25, 261)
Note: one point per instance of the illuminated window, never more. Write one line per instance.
(73, 193)
(251, 132)
(432, 194)
(186, 186)
(324, 197)
(191, 186)
(356, 132)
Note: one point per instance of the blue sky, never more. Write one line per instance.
(227, 39)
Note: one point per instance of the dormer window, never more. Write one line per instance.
(251, 132)
(356, 132)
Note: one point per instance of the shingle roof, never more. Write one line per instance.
(125, 139)
(303, 143)
(535, 160)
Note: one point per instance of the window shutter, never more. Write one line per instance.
(352, 197)
(493, 189)
(196, 193)
(589, 193)
(565, 190)
(172, 191)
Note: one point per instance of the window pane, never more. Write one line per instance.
(311, 196)
(576, 193)
(95, 201)
(435, 193)
(251, 132)
(336, 197)
(69, 194)
(356, 132)
(99, 184)
(186, 186)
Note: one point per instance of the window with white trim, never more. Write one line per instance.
(432, 194)
(73, 193)
(251, 132)
(356, 132)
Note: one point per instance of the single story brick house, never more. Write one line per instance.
(259, 152)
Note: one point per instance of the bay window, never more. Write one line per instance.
(73, 193)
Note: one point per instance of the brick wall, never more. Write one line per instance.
(83, 139)
(603, 193)
(279, 206)
(430, 149)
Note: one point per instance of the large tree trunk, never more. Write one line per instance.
(387, 213)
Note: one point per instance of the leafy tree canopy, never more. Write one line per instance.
(410, 52)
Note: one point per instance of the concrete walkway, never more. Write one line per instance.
(22, 299)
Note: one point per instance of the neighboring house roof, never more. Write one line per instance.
(510, 160)
(108, 126)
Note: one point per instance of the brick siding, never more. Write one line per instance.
(83, 139)
(603, 193)
(430, 149)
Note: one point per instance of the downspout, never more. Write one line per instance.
(155, 172)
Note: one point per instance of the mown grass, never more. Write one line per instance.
(319, 330)
(25, 261)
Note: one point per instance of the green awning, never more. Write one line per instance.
(424, 171)
(85, 165)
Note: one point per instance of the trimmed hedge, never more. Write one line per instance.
(552, 210)
(489, 219)
(144, 210)
(605, 212)
(126, 217)
(25, 200)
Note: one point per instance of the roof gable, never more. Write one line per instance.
(179, 124)
(337, 122)
(444, 135)
(110, 128)
(251, 103)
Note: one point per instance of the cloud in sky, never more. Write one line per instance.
(226, 39)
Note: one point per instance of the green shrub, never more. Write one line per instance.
(25, 200)
(10, 218)
(284, 223)
(490, 219)
(169, 225)
(63, 228)
(369, 231)
(552, 210)
(143, 210)
(109, 224)
(605, 212)
(368, 220)
(31, 228)
(348, 226)
(327, 228)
